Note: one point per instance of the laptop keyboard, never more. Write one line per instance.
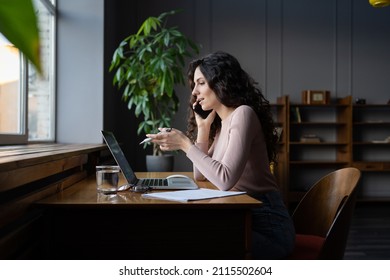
(155, 182)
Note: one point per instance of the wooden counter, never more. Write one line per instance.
(32, 172)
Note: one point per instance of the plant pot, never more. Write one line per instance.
(162, 163)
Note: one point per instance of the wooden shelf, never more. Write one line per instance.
(317, 162)
(318, 123)
(372, 106)
(370, 143)
(372, 166)
(374, 199)
(347, 132)
(372, 123)
(334, 105)
(298, 143)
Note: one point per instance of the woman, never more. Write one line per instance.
(233, 146)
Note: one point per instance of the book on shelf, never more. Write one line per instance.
(296, 115)
(310, 138)
(387, 140)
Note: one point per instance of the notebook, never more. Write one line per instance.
(174, 182)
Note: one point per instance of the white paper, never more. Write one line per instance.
(188, 195)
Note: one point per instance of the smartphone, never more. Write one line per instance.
(198, 109)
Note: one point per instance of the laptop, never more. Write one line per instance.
(174, 182)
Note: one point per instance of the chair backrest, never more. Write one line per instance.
(316, 212)
(336, 239)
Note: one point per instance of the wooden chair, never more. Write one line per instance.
(322, 218)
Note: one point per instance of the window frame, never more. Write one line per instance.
(23, 136)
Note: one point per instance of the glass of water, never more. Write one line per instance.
(107, 178)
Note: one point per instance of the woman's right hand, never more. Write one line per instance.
(201, 121)
(204, 126)
(205, 123)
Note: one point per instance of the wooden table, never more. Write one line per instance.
(81, 224)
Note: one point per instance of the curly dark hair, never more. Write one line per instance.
(233, 87)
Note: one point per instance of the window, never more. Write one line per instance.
(27, 99)
(11, 93)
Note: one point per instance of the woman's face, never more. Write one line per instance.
(205, 96)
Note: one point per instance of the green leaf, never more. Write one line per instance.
(138, 109)
(163, 83)
(133, 41)
(166, 39)
(162, 65)
(147, 27)
(170, 13)
(130, 103)
(118, 74)
(175, 32)
(155, 24)
(18, 23)
(126, 91)
(140, 128)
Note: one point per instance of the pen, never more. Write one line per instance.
(146, 140)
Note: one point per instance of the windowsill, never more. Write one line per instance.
(18, 156)
(29, 173)
(31, 166)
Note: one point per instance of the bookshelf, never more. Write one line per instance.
(320, 138)
(319, 143)
(371, 149)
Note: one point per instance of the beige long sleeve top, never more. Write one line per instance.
(238, 158)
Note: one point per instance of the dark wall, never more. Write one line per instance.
(287, 46)
(120, 20)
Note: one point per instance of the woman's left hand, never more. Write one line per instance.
(170, 139)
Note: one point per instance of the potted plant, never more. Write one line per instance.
(148, 65)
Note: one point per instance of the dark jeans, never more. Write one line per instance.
(273, 232)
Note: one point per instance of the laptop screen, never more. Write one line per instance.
(119, 157)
